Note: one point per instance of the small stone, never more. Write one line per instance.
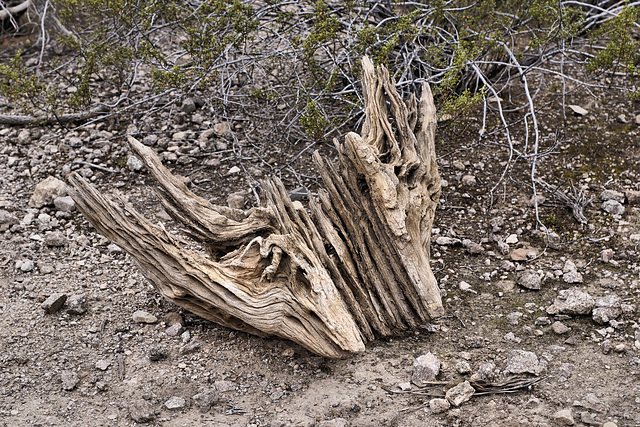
(633, 197)
(158, 353)
(173, 318)
(224, 386)
(542, 321)
(206, 399)
(612, 195)
(459, 165)
(236, 200)
(572, 302)
(101, 386)
(463, 367)
(564, 417)
(188, 106)
(175, 402)
(234, 170)
(521, 254)
(141, 411)
(425, 369)
(459, 394)
(55, 239)
(404, 386)
(141, 316)
(7, 219)
(613, 207)
(572, 277)
(448, 241)
(578, 111)
(174, 330)
(512, 239)
(179, 136)
(27, 266)
(69, 380)
(54, 302)
(521, 361)
(438, 406)
(606, 255)
(469, 180)
(609, 424)
(46, 191)
(77, 304)
(607, 308)
(103, 365)
(134, 164)
(222, 128)
(560, 328)
(64, 204)
(191, 347)
(530, 280)
(465, 287)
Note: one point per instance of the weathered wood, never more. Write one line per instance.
(353, 268)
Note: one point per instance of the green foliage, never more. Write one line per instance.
(622, 50)
(314, 122)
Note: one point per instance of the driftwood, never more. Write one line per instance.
(352, 268)
(20, 120)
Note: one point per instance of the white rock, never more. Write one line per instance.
(461, 393)
(438, 406)
(175, 402)
(512, 239)
(578, 111)
(425, 369)
(46, 191)
(141, 316)
(233, 170)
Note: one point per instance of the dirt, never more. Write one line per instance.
(101, 367)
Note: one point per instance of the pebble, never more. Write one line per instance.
(55, 239)
(438, 406)
(141, 411)
(188, 106)
(459, 394)
(103, 365)
(560, 328)
(607, 308)
(564, 417)
(469, 180)
(54, 302)
(425, 369)
(522, 254)
(222, 128)
(572, 302)
(448, 241)
(234, 170)
(158, 353)
(175, 402)
(521, 361)
(612, 195)
(236, 200)
(174, 330)
(577, 110)
(609, 424)
(46, 191)
(27, 266)
(134, 164)
(77, 304)
(141, 316)
(206, 398)
(69, 380)
(487, 372)
(336, 422)
(633, 197)
(7, 219)
(613, 207)
(463, 367)
(64, 204)
(530, 280)
(173, 318)
(512, 239)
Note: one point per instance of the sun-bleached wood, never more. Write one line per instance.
(351, 268)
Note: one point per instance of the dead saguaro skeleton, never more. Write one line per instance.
(352, 268)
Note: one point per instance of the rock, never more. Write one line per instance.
(336, 422)
(236, 200)
(506, 285)
(564, 417)
(174, 330)
(530, 280)
(134, 164)
(521, 361)
(77, 304)
(578, 111)
(234, 170)
(465, 287)
(172, 318)
(175, 402)
(103, 365)
(191, 347)
(222, 128)
(469, 180)
(141, 316)
(188, 106)
(206, 399)
(606, 255)
(7, 219)
(463, 367)
(572, 277)
(560, 328)
(425, 369)
(141, 411)
(27, 266)
(448, 241)
(158, 353)
(64, 204)
(487, 372)
(179, 136)
(523, 254)
(512, 239)
(69, 380)
(224, 386)
(612, 195)
(572, 302)
(459, 394)
(55, 239)
(613, 207)
(459, 165)
(54, 302)
(438, 406)
(633, 197)
(473, 247)
(609, 424)
(46, 191)
(607, 308)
